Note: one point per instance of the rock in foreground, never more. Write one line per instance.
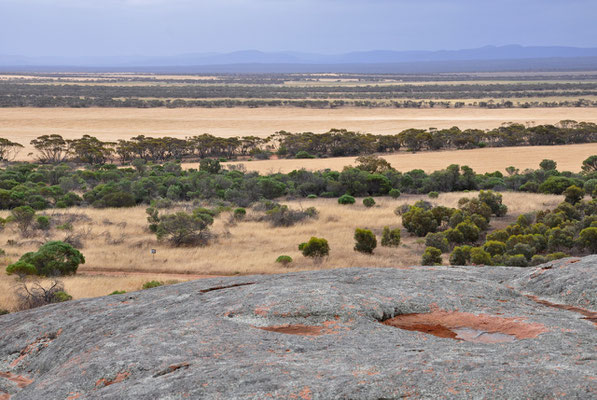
(420, 332)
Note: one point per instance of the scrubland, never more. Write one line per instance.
(117, 243)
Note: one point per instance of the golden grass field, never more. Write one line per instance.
(24, 124)
(117, 243)
(568, 157)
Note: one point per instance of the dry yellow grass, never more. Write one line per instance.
(117, 242)
(568, 157)
(24, 124)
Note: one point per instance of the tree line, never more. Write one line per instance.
(55, 149)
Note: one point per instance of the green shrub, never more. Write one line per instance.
(152, 284)
(558, 238)
(517, 260)
(590, 164)
(315, 248)
(494, 201)
(312, 196)
(470, 232)
(454, 236)
(524, 249)
(480, 256)
(368, 202)
(460, 255)
(493, 247)
(573, 194)
(61, 296)
(117, 292)
(43, 222)
(282, 215)
(499, 235)
(23, 217)
(556, 184)
(365, 241)
(394, 193)
(184, 229)
(284, 260)
(588, 239)
(304, 154)
(52, 259)
(419, 221)
(346, 199)
(21, 268)
(432, 256)
(390, 237)
(433, 195)
(239, 213)
(437, 240)
(556, 256)
(116, 200)
(4, 312)
(548, 165)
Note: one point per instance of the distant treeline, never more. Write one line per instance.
(335, 143)
(263, 93)
(48, 101)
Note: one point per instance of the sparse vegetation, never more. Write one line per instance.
(365, 241)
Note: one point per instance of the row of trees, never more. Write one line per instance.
(55, 149)
(61, 186)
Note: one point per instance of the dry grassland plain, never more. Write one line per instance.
(110, 124)
(569, 158)
(117, 243)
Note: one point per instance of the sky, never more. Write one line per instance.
(171, 27)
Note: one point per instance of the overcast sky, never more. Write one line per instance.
(168, 27)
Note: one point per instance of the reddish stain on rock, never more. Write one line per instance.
(21, 381)
(297, 329)
(466, 326)
(4, 396)
(304, 394)
(121, 376)
(74, 396)
(589, 315)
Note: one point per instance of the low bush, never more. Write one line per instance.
(117, 292)
(284, 260)
(239, 213)
(394, 193)
(480, 256)
(42, 223)
(315, 248)
(52, 259)
(437, 240)
(461, 255)
(517, 260)
(365, 241)
(433, 195)
(368, 202)
(346, 199)
(152, 284)
(284, 216)
(390, 237)
(432, 256)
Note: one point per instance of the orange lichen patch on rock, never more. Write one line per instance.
(263, 310)
(121, 376)
(37, 345)
(304, 394)
(481, 328)
(588, 314)
(4, 396)
(21, 381)
(73, 396)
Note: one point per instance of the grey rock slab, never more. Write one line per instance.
(206, 339)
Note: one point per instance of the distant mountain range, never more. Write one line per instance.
(512, 57)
